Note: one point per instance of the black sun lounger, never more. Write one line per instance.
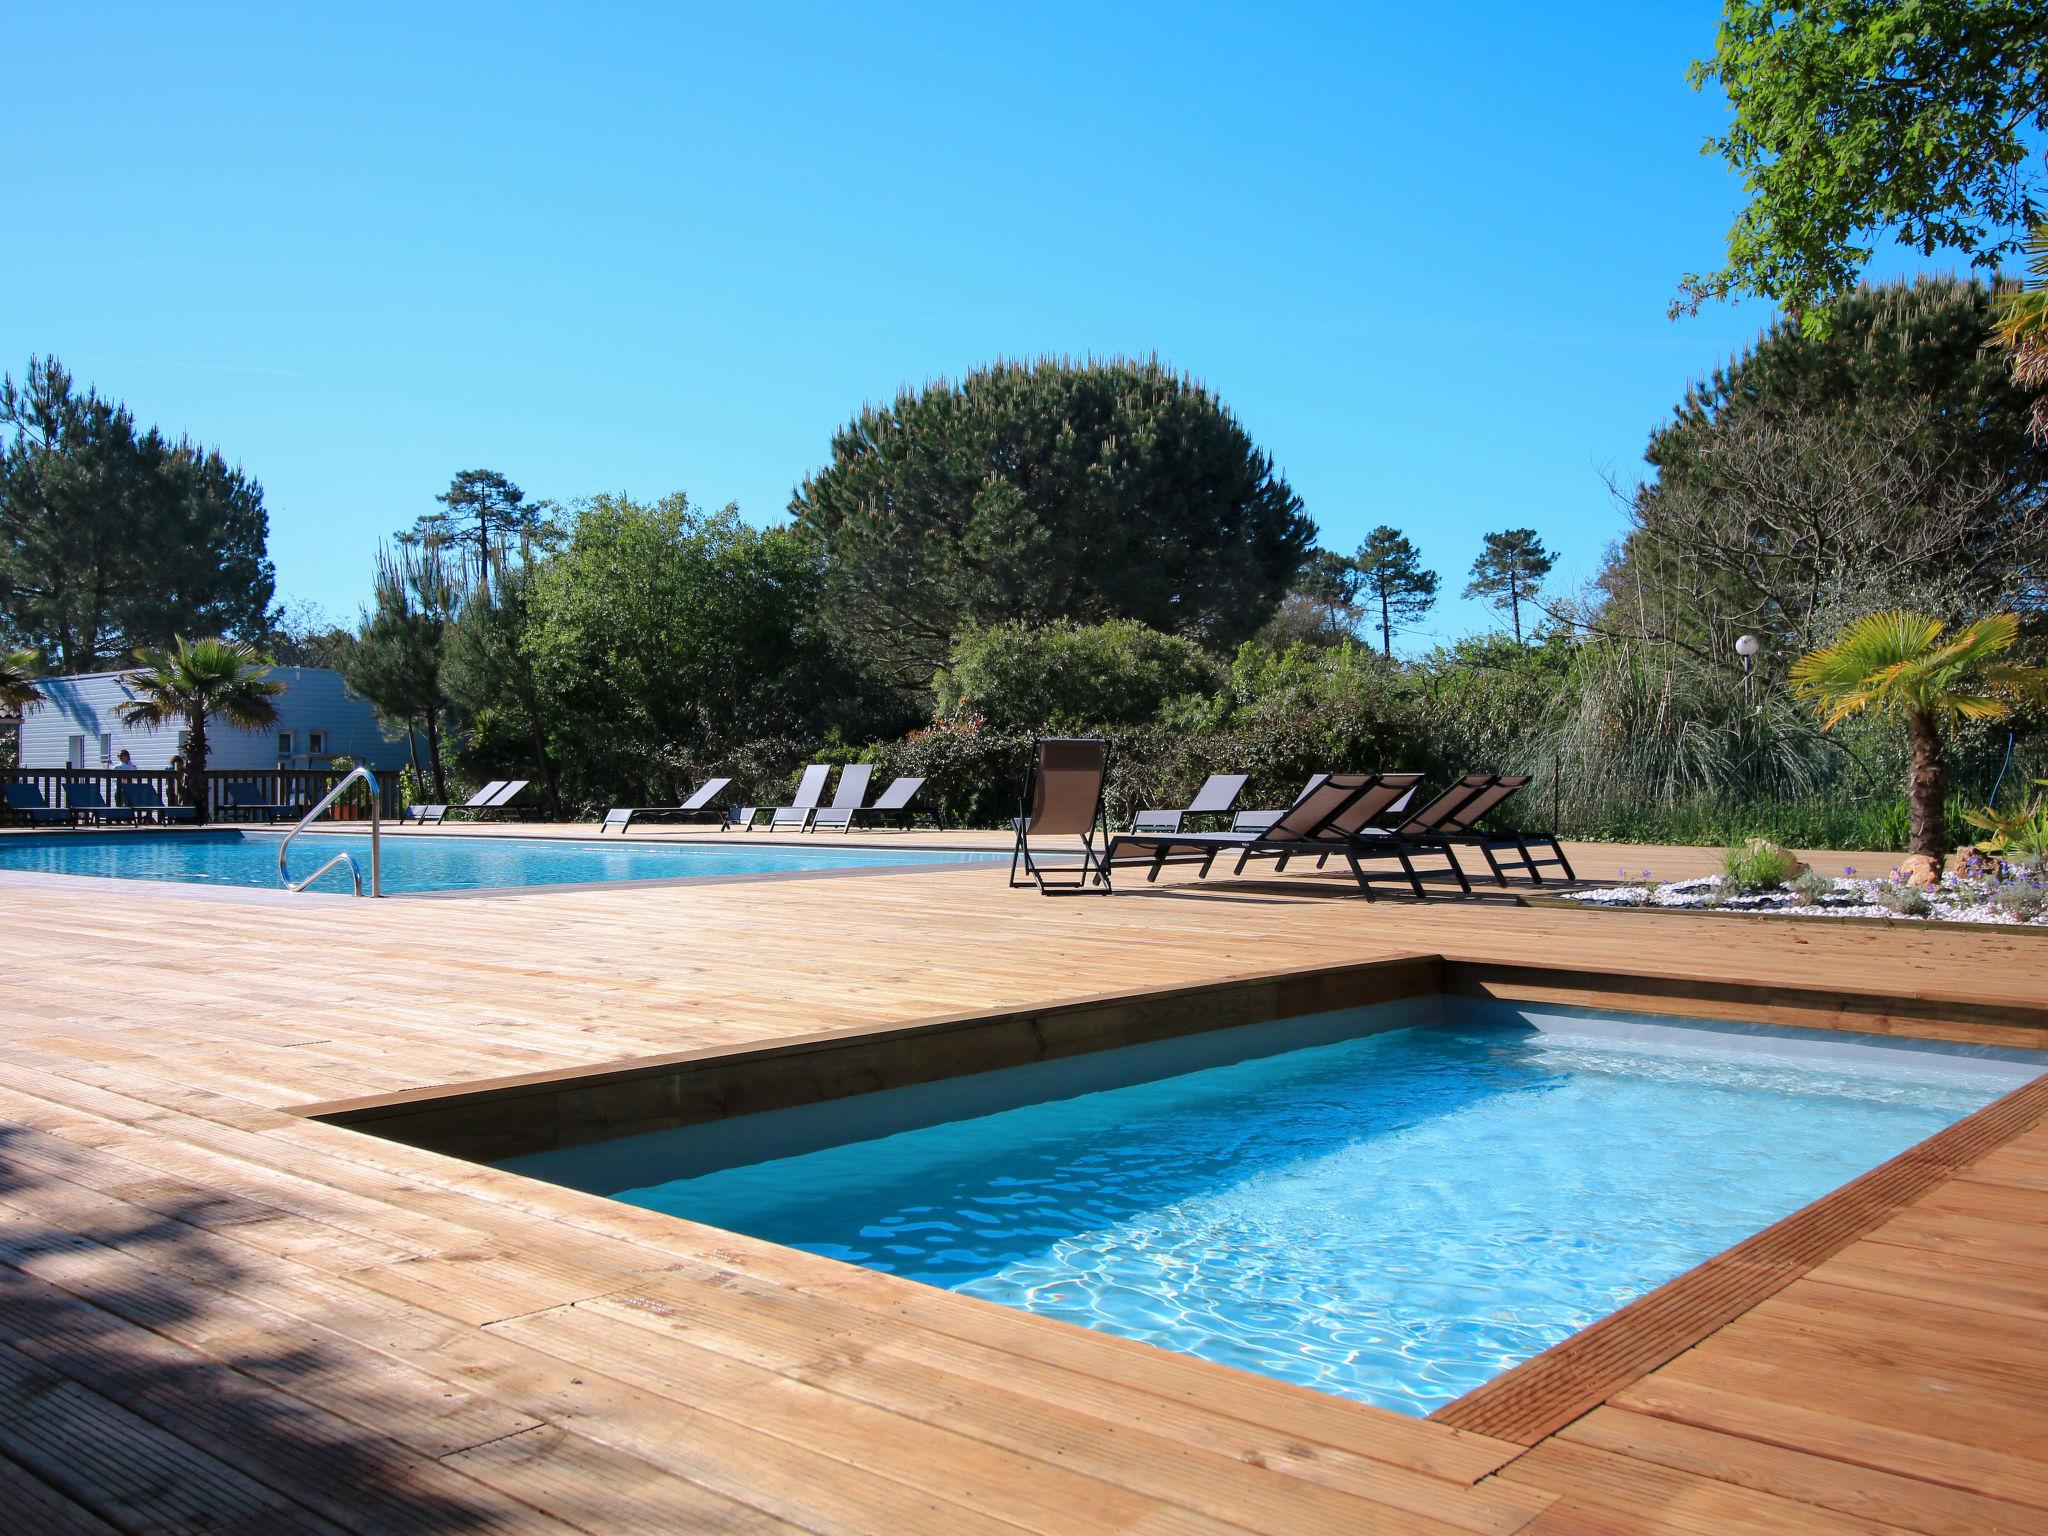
(25, 802)
(149, 800)
(1452, 818)
(1313, 826)
(246, 799)
(697, 805)
(810, 789)
(91, 803)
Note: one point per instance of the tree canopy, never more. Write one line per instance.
(1510, 571)
(113, 538)
(1034, 492)
(1854, 120)
(1813, 476)
(484, 519)
(1071, 677)
(1395, 588)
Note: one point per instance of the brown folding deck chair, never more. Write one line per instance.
(1063, 798)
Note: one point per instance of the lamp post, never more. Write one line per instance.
(1746, 647)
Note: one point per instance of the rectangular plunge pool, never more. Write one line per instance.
(1392, 1203)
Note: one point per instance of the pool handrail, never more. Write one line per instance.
(344, 857)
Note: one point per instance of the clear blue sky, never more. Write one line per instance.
(1424, 255)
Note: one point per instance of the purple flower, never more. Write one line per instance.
(1848, 869)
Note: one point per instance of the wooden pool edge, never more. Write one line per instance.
(511, 1116)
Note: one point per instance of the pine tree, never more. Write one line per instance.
(1509, 571)
(1391, 578)
(483, 517)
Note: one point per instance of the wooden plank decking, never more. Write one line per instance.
(218, 1315)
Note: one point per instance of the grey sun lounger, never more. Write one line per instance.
(149, 800)
(1258, 821)
(892, 805)
(1217, 795)
(1064, 798)
(810, 789)
(434, 815)
(25, 802)
(853, 789)
(697, 805)
(90, 802)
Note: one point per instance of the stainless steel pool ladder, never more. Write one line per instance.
(344, 857)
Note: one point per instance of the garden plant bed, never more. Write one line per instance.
(1955, 901)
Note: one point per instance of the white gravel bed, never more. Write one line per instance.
(1952, 902)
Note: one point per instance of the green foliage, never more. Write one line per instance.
(1897, 665)
(659, 635)
(1811, 886)
(1899, 897)
(1070, 677)
(1032, 493)
(1859, 119)
(193, 683)
(397, 658)
(1758, 864)
(2023, 835)
(18, 688)
(1509, 572)
(489, 675)
(113, 538)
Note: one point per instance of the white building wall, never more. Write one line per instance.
(314, 700)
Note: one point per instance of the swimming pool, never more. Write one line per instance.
(422, 861)
(1393, 1204)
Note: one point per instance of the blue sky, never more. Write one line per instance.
(1425, 259)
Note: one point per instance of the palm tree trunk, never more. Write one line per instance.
(195, 762)
(1926, 788)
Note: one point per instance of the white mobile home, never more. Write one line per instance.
(318, 720)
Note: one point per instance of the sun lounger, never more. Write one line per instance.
(1314, 825)
(1451, 819)
(892, 804)
(1063, 798)
(1217, 795)
(853, 789)
(245, 799)
(810, 789)
(434, 815)
(1359, 834)
(150, 802)
(25, 803)
(90, 802)
(1258, 821)
(698, 804)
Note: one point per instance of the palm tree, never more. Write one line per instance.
(18, 687)
(1897, 663)
(197, 681)
(2022, 327)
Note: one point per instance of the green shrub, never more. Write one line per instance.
(1812, 887)
(1070, 677)
(1758, 865)
(1897, 896)
(2021, 899)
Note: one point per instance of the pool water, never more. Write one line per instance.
(1395, 1217)
(421, 861)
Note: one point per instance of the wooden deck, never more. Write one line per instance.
(219, 1315)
